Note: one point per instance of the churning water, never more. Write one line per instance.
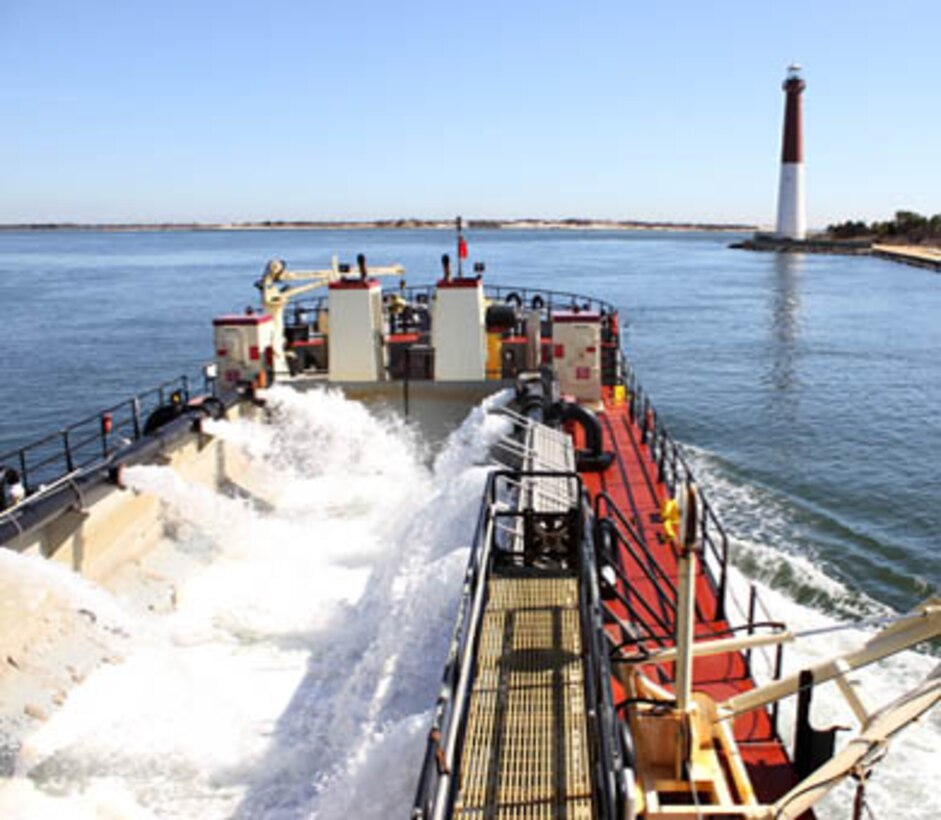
(293, 674)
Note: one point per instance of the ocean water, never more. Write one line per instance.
(806, 389)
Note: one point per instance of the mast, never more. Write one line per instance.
(686, 543)
(461, 247)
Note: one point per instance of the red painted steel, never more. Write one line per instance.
(457, 283)
(354, 284)
(318, 342)
(633, 484)
(240, 319)
(792, 149)
(563, 316)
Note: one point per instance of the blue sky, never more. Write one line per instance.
(207, 110)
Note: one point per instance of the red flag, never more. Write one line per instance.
(461, 247)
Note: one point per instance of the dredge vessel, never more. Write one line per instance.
(597, 668)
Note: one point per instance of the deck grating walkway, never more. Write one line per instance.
(526, 749)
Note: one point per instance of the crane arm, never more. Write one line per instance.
(276, 292)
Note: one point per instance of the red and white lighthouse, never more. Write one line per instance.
(792, 216)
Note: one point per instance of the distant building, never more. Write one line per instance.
(792, 212)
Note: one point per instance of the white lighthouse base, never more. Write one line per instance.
(792, 216)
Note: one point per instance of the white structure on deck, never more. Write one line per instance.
(244, 347)
(458, 331)
(576, 340)
(792, 215)
(356, 352)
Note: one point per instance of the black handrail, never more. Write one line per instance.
(624, 599)
(83, 444)
(673, 468)
(537, 298)
(653, 569)
(641, 535)
(611, 753)
(449, 717)
(435, 764)
(437, 785)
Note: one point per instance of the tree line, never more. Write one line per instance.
(907, 225)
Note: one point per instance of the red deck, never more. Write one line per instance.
(631, 481)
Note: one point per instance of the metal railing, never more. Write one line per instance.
(628, 640)
(613, 523)
(534, 298)
(611, 745)
(550, 300)
(673, 469)
(302, 310)
(304, 323)
(438, 782)
(90, 441)
(774, 661)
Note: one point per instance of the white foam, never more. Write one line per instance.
(103, 799)
(759, 525)
(765, 540)
(905, 778)
(39, 583)
(307, 643)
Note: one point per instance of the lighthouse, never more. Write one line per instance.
(792, 216)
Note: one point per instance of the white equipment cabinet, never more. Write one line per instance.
(244, 347)
(458, 331)
(576, 346)
(356, 352)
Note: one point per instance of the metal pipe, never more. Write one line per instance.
(752, 596)
(702, 649)
(924, 623)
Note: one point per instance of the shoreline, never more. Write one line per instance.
(919, 256)
(389, 224)
(907, 253)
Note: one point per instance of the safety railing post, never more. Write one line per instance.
(24, 473)
(67, 448)
(723, 578)
(752, 597)
(136, 417)
(778, 665)
(661, 460)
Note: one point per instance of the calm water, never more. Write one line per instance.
(807, 388)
